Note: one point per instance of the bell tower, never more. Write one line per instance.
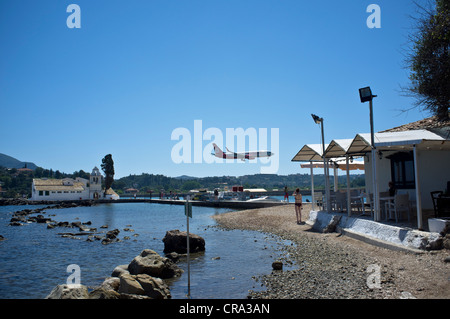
(95, 184)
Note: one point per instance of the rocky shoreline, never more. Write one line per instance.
(142, 278)
(333, 266)
(63, 204)
(25, 216)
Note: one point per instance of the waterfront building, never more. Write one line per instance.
(71, 189)
(413, 158)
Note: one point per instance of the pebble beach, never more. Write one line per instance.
(334, 266)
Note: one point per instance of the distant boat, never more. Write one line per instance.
(264, 199)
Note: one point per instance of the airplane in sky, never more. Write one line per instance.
(240, 155)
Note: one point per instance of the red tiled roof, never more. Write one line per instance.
(425, 124)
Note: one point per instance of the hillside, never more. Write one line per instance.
(147, 182)
(11, 162)
(14, 183)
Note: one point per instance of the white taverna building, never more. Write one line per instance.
(71, 189)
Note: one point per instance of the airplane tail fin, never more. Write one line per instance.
(217, 151)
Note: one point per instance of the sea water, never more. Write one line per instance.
(34, 259)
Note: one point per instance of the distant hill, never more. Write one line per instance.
(185, 177)
(11, 162)
(146, 182)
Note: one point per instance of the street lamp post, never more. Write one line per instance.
(319, 120)
(365, 94)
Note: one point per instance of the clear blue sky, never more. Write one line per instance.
(137, 70)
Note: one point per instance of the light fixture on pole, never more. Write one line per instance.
(319, 120)
(365, 94)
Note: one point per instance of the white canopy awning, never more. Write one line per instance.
(338, 148)
(362, 142)
(309, 153)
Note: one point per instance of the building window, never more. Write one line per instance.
(41, 193)
(402, 170)
(47, 193)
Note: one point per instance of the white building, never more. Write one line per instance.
(414, 157)
(70, 189)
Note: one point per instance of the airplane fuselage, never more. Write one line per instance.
(240, 155)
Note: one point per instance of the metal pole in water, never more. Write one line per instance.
(188, 213)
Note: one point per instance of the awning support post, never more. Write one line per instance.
(349, 203)
(418, 193)
(312, 186)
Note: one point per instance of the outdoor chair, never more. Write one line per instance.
(401, 203)
(356, 200)
(318, 198)
(369, 201)
(340, 201)
(383, 195)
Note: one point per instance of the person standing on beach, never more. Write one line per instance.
(298, 205)
(286, 195)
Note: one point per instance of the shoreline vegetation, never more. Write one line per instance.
(334, 266)
(16, 183)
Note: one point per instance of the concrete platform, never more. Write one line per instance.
(375, 233)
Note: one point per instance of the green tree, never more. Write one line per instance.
(108, 169)
(429, 60)
(38, 172)
(188, 185)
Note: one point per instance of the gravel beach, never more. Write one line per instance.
(334, 266)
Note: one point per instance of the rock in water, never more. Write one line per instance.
(129, 285)
(112, 234)
(143, 284)
(72, 291)
(154, 287)
(277, 265)
(176, 241)
(151, 263)
(120, 270)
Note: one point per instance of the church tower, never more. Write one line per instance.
(95, 184)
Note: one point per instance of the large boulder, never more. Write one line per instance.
(102, 293)
(129, 285)
(143, 284)
(71, 291)
(154, 287)
(120, 270)
(151, 263)
(176, 241)
(111, 283)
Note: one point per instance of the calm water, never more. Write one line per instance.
(292, 199)
(33, 259)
